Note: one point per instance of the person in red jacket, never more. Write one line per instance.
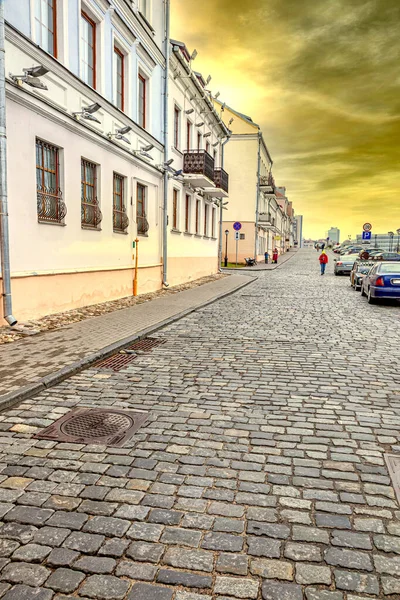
(323, 261)
(275, 256)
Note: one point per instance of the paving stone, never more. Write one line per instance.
(270, 530)
(65, 580)
(332, 521)
(309, 552)
(29, 515)
(356, 582)
(268, 515)
(197, 521)
(24, 592)
(114, 547)
(387, 543)
(228, 525)
(145, 552)
(68, 520)
(365, 524)
(104, 587)
(184, 537)
(386, 564)
(88, 543)
(271, 569)
(62, 503)
(390, 585)
(258, 546)
(142, 591)
(165, 517)
(108, 526)
(238, 588)
(31, 553)
(135, 570)
(281, 591)
(92, 507)
(95, 564)
(7, 547)
(349, 539)
(62, 557)
(225, 510)
(145, 531)
(17, 531)
(306, 574)
(51, 536)
(236, 564)
(192, 580)
(318, 594)
(21, 572)
(222, 542)
(196, 560)
(341, 557)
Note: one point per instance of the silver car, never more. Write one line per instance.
(344, 264)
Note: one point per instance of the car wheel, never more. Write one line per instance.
(336, 273)
(371, 299)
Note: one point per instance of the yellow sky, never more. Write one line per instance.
(322, 79)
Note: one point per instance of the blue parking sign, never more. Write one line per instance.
(366, 235)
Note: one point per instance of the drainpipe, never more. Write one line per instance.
(4, 239)
(166, 87)
(221, 208)
(258, 196)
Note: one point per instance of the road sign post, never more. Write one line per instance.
(237, 237)
(367, 227)
(237, 226)
(366, 235)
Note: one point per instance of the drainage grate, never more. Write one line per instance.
(116, 362)
(393, 465)
(147, 344)
(94, 426)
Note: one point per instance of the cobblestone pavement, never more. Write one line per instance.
(260, 473)
(26, 361)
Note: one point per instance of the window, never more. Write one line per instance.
(197, 216)
(187, 212)
(90, 213)
(88, 50)
(120, 218)
(189, 128)
(213, 222)
(175, 210)
(205, 219)
(215, 156)
(143, 7)
(177, 118)
(199, 136)
(46, 25)
(142, 100)
(119, 62)
(50, 207)
(142, 224)
(208, 147)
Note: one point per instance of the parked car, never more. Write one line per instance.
(382, 282)
(359, 271)
(387, 256)
(344, 264)
(366, 253)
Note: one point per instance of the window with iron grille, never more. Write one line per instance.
(175, 209)
(187, 212)
(197, 216)
(142, 100)
(90, 212)
(50, 206)
(88, 50)
(120, 218)
(119, 62)
(205, 219)
(46, 25)
(142, 223)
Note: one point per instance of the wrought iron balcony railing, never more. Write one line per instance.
(50, 206)
(221, 179)
(120, 220)
(198, 162)
(142, 225)
(91, 214)
(267, 181)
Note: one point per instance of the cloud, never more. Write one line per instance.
(322, 80)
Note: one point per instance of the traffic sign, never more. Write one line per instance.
(237, 235)
(366, 235)
(367, 227)
(237, 226)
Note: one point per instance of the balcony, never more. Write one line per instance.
(221, 180)
(267, 184)
(198, 168)
(50, 206)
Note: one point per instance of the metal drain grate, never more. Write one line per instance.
(116, 362)
(94, 426)
(147, 344)
(393, 465)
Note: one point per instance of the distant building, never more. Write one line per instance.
(298, 231)
(388, 243)
(334, 235)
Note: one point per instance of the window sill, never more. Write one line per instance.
(142, 234)
(120, 231)
(206, 237)
(188, 233)
(89, 228)
(176, 231)
(198, 235)
(44, 222)
(213, 238)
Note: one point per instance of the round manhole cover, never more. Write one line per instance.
(96, 424)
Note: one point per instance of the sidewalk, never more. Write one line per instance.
(29, 365)
(266, 267)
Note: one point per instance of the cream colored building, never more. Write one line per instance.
(252, 198)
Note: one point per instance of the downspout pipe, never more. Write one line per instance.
(221, 207)
(166, 150)
(4, 237)
(258, 196)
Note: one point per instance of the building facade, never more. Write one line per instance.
(334, 235)
(298, 231)
(384, 241)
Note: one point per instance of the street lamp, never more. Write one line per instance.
(226, 247)
(398, 239)
(391, 235)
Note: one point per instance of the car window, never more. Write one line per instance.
(392, 268)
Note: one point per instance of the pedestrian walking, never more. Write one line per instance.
(275, 256)
(323, 261)
(266, 257)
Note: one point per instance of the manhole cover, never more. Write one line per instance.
(147, 344)
(116, 362)
(393, 465)
(94, 426)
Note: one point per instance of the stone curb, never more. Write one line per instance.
(12, 398)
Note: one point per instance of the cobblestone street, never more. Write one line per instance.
(260, 473)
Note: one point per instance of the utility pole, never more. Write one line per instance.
(4, 235)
